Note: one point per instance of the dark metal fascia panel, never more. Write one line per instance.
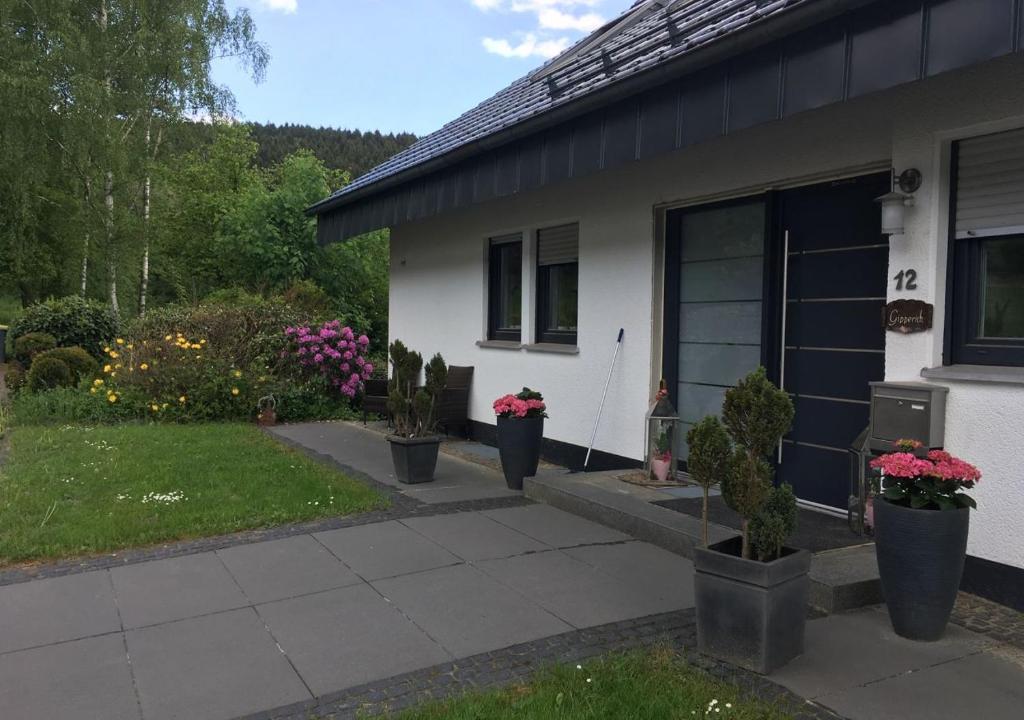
(874, 48)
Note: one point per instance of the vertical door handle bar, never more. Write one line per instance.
(785, 307)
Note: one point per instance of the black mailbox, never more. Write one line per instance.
(907, 411)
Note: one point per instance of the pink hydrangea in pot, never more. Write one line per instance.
(520, 431)
(922, 519)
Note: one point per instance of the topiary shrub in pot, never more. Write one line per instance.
(751, 590)
(415, 442)
(922, 518)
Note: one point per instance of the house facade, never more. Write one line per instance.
(705, 176)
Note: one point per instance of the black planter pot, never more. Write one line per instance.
(414, 458)
(750, 613)
(519, 447)
(920, 561)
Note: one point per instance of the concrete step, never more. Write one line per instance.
(841, 579)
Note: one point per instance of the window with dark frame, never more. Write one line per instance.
(505, 288)
(557, 284)
(986, 295)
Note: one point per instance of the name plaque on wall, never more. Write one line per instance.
(908, 316)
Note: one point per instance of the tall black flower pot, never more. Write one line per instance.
(750, 613)
(414, 458)
(920, 561)
(519, 448)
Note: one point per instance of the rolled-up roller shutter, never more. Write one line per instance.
(990, 185)
(558, 245)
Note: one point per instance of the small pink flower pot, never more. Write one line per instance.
(660, 469)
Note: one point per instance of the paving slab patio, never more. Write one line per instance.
(855, 664)
(217, 635)
(367, 451)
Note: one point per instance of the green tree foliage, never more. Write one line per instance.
(756, 414)
(710, 452)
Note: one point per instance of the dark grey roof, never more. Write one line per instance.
(669, 30)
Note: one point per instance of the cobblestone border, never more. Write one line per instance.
(518, 663)
(401, 506)
(988, 618)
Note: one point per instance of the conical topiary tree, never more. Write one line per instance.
(757, 414)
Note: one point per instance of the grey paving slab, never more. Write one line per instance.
(285, 568)
(852, 649)
(343, 638)
(47, 611)
(173, 589)
(977, 686)
(86, 679)
(467, 611)
(211, 668)
(385, 549)
(367, 451)
(473, 536)
(576, 592)
(652, 570)
(555, 527)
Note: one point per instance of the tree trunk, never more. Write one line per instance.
(746, 539)
(108, 190)
(85, 249)
(704, 518)
(146, 195)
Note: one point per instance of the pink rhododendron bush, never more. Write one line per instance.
(935, 480)
(334, 352)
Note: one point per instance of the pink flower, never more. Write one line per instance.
(318, 358)
(368, 369)
(363, 340)
(345, 367)
(347, 355)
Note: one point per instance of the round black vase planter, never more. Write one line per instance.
(519, 447)
(920, 562)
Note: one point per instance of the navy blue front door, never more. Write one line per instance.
(834, 342)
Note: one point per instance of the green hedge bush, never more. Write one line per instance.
(27, 346)
(79, 362)
(89, 324)
(48, 373)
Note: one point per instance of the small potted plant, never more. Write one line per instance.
(266, 411)
(520, 431)
(415, 442)
(751, 590)
(921, 520)
(661, 461)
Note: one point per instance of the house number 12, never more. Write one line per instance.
(906, 280)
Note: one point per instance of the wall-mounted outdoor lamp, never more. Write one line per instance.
(895, 202)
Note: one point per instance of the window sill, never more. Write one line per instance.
(500, 344)
(557, 348)
(977, 373)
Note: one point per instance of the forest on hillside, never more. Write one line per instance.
(352, 151)
(111, 191)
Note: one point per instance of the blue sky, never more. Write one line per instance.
(394, 65)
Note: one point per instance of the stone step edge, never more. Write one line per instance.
(841, 580)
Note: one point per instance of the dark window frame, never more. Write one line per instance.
(495, 331)
(543, 296)
(963, 342)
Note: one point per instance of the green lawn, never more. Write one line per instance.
(641, 685)
(71, 490)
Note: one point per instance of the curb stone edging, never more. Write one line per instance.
(518, 663)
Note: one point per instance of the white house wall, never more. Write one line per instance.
(438, 281)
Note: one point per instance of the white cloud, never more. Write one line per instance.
(529, 46)
(285, 6)
(553, 17)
